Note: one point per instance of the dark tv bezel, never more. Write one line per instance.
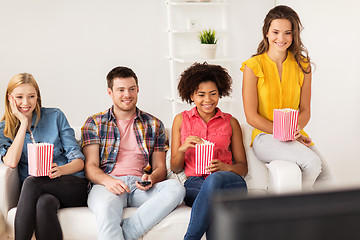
(320, 215)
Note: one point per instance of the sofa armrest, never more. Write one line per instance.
(257, 177)
(284, 176)
(9, 188)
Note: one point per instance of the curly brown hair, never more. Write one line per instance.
(197, 73)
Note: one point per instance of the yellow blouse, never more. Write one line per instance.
(273, 93)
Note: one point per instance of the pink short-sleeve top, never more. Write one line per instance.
(217, 130)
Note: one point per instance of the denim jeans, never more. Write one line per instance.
(153, 205)
(39, 201)
(199, 191)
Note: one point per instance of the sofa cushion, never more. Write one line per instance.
(2, 225)
(173, 226)
(257, 177)
(170, 174)
(73, 219)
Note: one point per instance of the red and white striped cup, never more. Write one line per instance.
(40, 158)
(285, 122)
(203, 155)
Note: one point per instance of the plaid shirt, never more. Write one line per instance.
(101, 129)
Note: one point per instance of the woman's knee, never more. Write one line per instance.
(316, 165)
(46, 204)
(29, 182)
(216, 179)
(224, 179)
(311, 162)
(30, 188)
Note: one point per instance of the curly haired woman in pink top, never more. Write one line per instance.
(204, 84)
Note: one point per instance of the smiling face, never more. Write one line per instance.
(280, 35)
(206, 99)
(124, 94)
(25, 96)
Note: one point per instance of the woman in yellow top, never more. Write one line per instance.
(279, 76)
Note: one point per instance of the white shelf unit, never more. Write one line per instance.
(184, 22)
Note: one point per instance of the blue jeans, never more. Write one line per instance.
(199, 191)
(153, 205)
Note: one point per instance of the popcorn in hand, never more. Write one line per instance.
(285, 122)
(40, 158)
(203, 155)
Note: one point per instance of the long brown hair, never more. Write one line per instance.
(297, 48)
(12, 123)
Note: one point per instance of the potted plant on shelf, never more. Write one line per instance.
(208, 43)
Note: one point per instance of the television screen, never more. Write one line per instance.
(303, 216)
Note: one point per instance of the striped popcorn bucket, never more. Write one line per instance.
(203, 156)
(285, 124)
(40, 158)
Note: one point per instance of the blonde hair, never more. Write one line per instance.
(12, 123)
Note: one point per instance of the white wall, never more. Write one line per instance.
(70, 46)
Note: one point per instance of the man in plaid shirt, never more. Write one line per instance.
(125, 152)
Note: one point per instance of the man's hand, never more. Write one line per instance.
(144, 177)
(116, 186)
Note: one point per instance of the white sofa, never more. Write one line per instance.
(79, 223)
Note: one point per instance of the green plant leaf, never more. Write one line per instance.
(208, 36)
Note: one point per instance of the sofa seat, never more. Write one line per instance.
(72, 219)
